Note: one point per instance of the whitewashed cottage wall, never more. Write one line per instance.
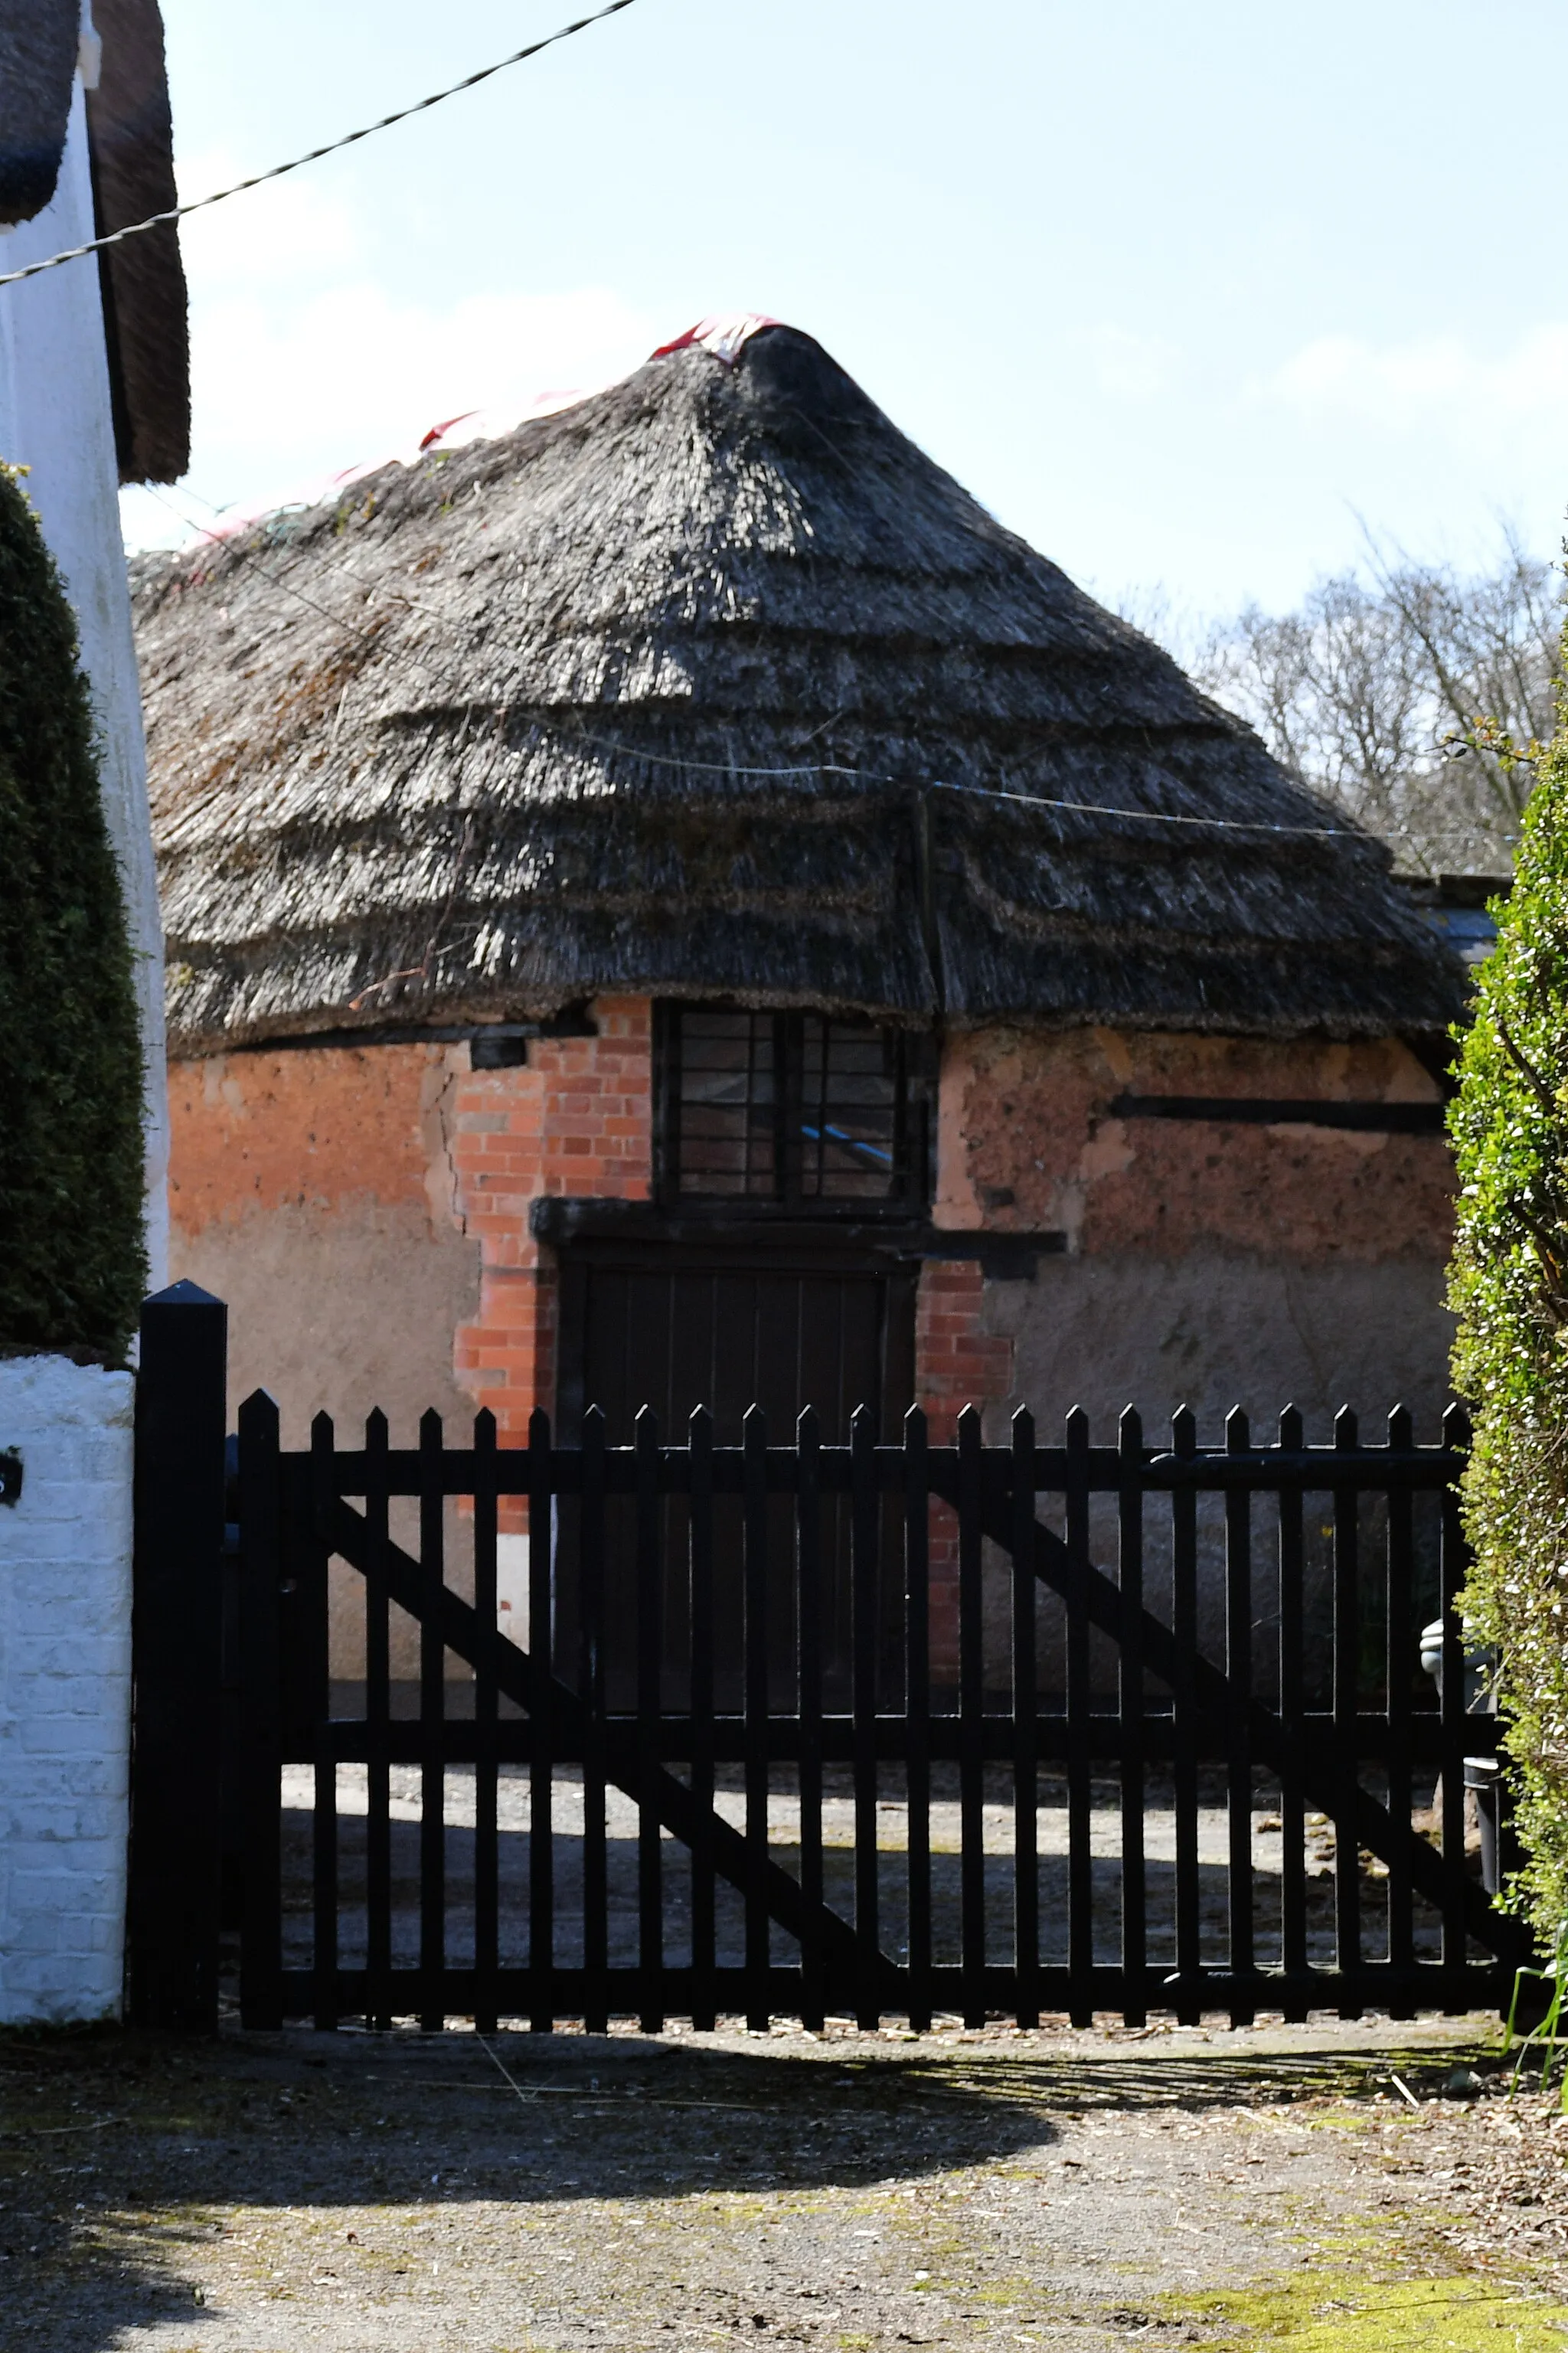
(56, 418)
(65, 1541)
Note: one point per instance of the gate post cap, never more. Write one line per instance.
(182, 1295)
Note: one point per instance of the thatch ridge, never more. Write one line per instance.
(505, 728)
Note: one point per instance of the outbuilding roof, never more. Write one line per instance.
(714, 685)
(130, 142)
(38, 42)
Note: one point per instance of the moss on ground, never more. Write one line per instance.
(1345, 2312)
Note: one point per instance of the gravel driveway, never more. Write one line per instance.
(410, 2194)
(1212, 1828)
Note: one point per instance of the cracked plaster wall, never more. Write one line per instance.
(313, 1191)
(1207, 1264)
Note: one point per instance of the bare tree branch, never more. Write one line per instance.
(1411, 695)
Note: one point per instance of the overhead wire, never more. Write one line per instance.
(981, 792)
(270, 571)
(817, 767)
(332, 147)
(437, 98)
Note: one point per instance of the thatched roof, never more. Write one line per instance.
(132, 139)
(714, 684)
(130, 146)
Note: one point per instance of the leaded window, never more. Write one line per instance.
(802, 1109)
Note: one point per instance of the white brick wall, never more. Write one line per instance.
(65, 1689)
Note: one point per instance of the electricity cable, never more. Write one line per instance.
(821, 768)
(350, 139)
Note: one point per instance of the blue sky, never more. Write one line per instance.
(1180, 292)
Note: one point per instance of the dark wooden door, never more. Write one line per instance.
(675, 1332)
(677, 1337)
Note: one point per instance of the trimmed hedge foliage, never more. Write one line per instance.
(73, 1264)
(1508, 1287)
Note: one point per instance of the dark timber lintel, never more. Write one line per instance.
(572, 1223)
(1261, 1111)
(494, 1045)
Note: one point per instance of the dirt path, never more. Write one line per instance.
(400, 2194)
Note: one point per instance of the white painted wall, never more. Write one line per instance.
(65, 1689)
(56, 419)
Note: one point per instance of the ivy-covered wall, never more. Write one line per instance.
(72, 1264)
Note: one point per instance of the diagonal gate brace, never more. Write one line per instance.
(518, 1675)
(1081, 1583)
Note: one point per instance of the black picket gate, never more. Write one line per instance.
(1126, 1728)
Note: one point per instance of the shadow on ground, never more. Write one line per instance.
(118, 2151)
(623, 1924)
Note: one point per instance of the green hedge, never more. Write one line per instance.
(1509, 1290)
(72, 1266)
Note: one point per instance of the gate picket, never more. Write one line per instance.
(541, 1703)
(1238, 1615)
(970, 1725)
(261, 1580)
(1182, 1678)
(1081, 1865)
(1025, 1730)
(1454, 1885)
(916, 1727)
(650, 1659)
(1292, 1803)
(591, 1603)
(1132, 1702)
(487, 1759)
(311, 1597)
(378, 1719)
(808, 1699)
(864, 1581)
(1035, 1732)
(432, 1711)
(754, 1703)
(1347, 1633)
(1396, 1678)
(704, 1946)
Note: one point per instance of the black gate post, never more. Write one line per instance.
(171, 1925)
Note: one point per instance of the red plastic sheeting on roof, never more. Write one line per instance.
(439, 432)
(723, 333)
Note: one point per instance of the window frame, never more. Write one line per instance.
(915, 1066)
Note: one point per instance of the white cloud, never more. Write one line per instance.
(1125, 366)
(308, 359)
(287, 393)
(352, 373)
(1435, 382)
(290, 232)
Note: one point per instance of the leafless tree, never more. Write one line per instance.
(1412, 693)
